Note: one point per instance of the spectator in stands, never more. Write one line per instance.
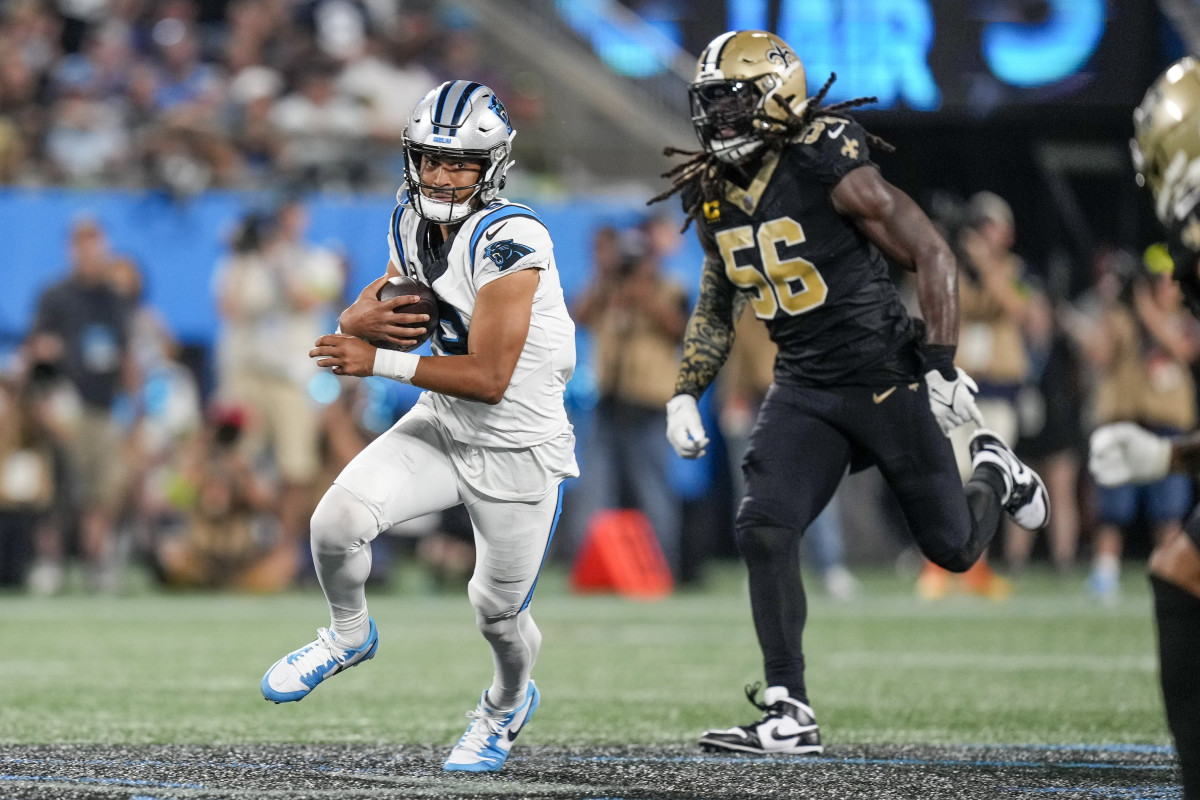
(324, 132)
(636, 317)
(87, 142)
(388, 81)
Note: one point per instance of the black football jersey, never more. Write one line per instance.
(820, 286)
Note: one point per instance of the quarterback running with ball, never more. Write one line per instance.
(491, 431)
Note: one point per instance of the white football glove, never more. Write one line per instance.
(685, 431)
(953, 402)
(1126, 453)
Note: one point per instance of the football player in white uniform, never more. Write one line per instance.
(490, 432)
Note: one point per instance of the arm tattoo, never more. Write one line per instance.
(709, 334)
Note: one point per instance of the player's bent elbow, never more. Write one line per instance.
(493, 392)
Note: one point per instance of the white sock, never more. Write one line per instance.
(351, 636)
(342, 528)
(515, 643)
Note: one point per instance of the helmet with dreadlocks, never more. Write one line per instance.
(747, 82)
(749, 94)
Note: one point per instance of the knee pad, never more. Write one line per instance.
(341, 522)
(491, 605)
(495, 629)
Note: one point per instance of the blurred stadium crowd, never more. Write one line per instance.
(195, 94)
(114, 451)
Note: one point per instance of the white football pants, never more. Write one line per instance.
(403, 474)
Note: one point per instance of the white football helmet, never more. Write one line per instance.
(461, 119)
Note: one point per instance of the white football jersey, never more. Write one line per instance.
(499, 239)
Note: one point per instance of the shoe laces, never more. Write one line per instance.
(776, 709)
(751, 690)
(318, 655)
(483, 726)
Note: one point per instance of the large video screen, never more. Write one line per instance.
(971, 57)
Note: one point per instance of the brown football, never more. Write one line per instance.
(428, 304)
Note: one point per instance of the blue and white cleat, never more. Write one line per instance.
(489, 737)
(299, 672)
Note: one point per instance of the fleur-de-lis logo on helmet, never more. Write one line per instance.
(779, 55)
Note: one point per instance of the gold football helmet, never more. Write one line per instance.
(1166, 143)
(738, 77)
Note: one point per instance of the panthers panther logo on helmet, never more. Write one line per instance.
(1166, 143)
(733, 96)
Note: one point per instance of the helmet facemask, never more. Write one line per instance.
(449, 204)
(457, 121)
(724, 115)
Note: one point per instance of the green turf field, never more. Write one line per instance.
(1044, 667)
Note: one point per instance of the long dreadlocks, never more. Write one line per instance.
(707, 171)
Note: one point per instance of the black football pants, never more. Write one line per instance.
(802, 444)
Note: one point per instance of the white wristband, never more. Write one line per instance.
(395, 365)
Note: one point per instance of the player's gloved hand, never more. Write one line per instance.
(952, 399)
(1125, 453)
(685, 430)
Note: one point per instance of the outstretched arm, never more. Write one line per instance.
(898, 227)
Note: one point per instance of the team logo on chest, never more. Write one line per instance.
(506, 252)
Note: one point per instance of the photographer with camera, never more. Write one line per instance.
(636, 317)
(215, 526)
(81, 332)
(276, 293)
(1141, 343)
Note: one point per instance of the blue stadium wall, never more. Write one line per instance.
(178, 244)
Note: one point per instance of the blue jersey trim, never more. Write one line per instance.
(546, 552)
(403, 265)
(492, 217)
